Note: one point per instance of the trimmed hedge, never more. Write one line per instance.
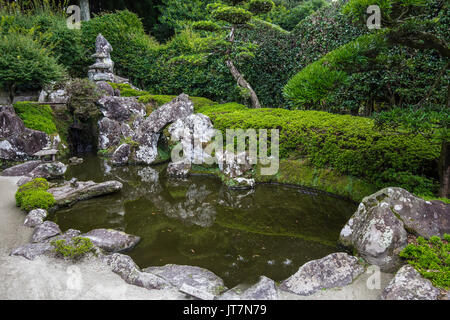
(343, 143)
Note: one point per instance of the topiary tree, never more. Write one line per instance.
(24, 61)
(422, 25)
(232, 17)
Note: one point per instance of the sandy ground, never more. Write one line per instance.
(55, 279)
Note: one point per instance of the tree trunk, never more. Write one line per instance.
(444, 170)
(244, 84)
(12, 92)
(239, 77)
(85, 11)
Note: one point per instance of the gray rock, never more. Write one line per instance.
(196, 293)
(105, 88)
(236, 165)
(378, 229)
(35, 218)
(179, 169)
(68, 236)
(52, 170)
(193, 132)
(10, 122)
(408, 284)
(103, 68)
(109, 133)
(335, 270)
(121, 155)
(121, 108)
(32, 250)
(265, 289)
(67, 194)
(125, 267)
(21, 169)
(44, 231)
(199, 278)
(74, 161)
(112, 240)
(148, 133)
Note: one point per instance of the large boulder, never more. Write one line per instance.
(44, 231)
(112, 240)
(149, 132)
(121, 108)
(47, 170)
(125, 267)
(10, 123)
(109, 133)
(378, 229)
(122, 155)
(32, 250)
(70, 193)
(335, 270)
(21, 169)
(408, 284)
(199, 278)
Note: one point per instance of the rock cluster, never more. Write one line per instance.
(18, 143)
(103, 68)
(378, 230)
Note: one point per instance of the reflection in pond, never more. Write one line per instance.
(238, 234)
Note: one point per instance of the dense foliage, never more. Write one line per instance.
(431, 258)
(343, 143)
(34, 195)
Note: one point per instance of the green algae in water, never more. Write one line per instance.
(239, 235)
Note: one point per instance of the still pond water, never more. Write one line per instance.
(238, 235)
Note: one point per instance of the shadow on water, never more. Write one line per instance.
(239, 235)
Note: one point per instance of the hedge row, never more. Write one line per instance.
(344, 143)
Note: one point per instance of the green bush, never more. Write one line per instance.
(36, 117)
(26, 62)
(36, 184)
(344, 143)
(310, 88)
(34, 195)
(75, 249)
(83, 96)
(37, 199)
(431, 258)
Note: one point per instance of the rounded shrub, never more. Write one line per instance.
(36, 184)
(37, 199)
(260, 6)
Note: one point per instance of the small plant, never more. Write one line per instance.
(74, 249)
(431, 258)
(28, 192)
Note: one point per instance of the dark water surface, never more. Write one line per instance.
(239, 235)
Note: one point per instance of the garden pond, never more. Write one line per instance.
(237, 234)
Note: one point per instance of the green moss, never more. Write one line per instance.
(431, 258)
(37, 199)
(36, 117)
(428, 198)
(36, 184)
(74, 249)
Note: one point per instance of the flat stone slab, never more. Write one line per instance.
(69, 193)
(112, 240)
(44, 153)
(196, 277)
(408, 284)
(335, 270)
